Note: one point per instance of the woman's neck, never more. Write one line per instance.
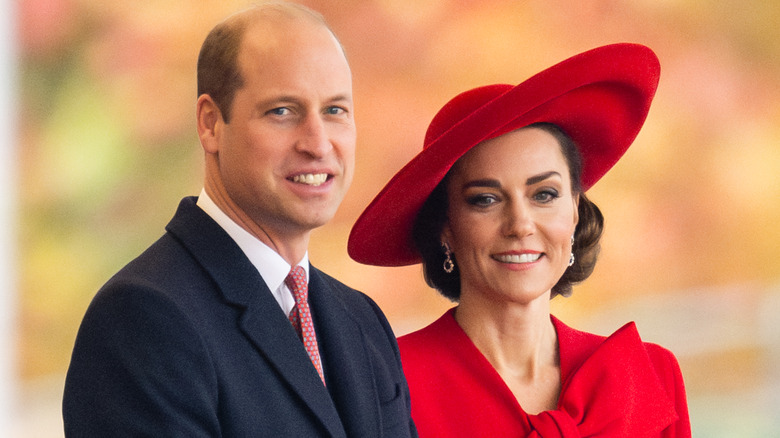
(520, 341)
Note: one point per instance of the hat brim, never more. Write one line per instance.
(599, 98)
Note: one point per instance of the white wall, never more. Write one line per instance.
(8, 247)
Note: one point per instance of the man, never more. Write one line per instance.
(192, 338)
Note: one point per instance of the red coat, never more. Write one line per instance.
(610, 387)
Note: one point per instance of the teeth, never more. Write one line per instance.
(311, 178)
(518, 258)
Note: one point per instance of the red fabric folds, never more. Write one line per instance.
(611, 387)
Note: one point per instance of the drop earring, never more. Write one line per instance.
(571, 257)
(449, 265)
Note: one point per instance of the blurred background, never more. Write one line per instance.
(103, 146)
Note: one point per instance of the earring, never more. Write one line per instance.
(449, 265)
(571, 257)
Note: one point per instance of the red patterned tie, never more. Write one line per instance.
(300, 316)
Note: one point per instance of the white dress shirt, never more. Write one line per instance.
(271, 266)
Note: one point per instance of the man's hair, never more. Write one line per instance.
(219, 74)
(430, 221)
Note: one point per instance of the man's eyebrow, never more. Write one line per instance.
(277, 100)
(290, 99)
(340, 98)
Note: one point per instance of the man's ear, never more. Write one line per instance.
(209, 120)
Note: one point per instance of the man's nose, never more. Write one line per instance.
(314, 139)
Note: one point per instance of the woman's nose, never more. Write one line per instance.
(519, 220)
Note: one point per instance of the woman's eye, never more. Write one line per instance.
(546, 196)
(482, 200)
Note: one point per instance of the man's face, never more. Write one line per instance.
(286, 159)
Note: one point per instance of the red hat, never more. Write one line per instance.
(599, 98)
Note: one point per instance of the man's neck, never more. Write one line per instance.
(291, 248)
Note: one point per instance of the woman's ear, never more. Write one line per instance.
(446, 236)
(576, 201)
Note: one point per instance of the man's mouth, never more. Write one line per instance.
(312, 179)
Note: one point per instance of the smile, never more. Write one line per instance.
(312, 179)
(518, 258)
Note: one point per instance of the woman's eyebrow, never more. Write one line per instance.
(492, 183)
(486, 182)
(541, 177)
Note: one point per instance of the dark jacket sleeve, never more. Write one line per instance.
(139, 369)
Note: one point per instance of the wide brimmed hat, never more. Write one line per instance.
(599, 98)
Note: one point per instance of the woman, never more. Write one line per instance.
(495, 208)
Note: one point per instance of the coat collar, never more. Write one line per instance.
(351, 380)
(609, 386)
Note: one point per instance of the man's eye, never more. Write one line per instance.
(282, 111)
(335, 110)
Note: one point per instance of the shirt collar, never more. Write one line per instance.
(271, 266)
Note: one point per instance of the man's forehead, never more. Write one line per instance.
(267, 36)
(281, 67)
(278, 20)
(279, 42)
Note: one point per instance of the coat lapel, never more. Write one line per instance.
(348, 368)
(267, 327)
(262, 321)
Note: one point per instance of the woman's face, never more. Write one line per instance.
(511, 216)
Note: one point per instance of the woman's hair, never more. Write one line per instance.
(430, 221)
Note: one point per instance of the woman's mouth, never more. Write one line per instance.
(518, 258)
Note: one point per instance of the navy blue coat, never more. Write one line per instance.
(187, 341)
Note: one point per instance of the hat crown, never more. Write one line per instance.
(460, 107)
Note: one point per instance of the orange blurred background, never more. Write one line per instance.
(107, 147)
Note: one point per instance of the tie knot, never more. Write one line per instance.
(296, 281)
